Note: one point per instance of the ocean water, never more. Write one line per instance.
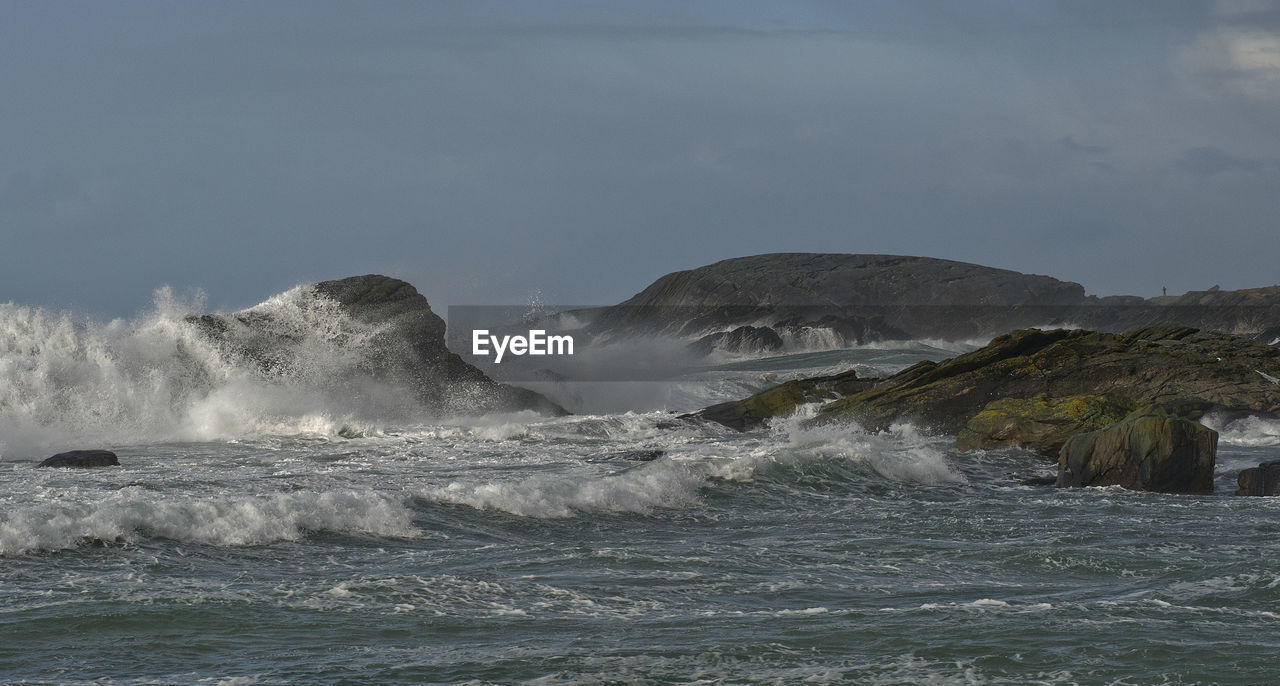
(280, 529)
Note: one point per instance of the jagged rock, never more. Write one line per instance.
(406, 347)
(82, 459)
(1142, 453)
(1181, 370)
(781, 401)
(1261, 480)
(742, 340)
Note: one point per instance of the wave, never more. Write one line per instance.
(133, 512)
(1245, 431)
(67, 382)
(693, 468)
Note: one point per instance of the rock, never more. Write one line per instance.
(915, 296)
(742, 340)
(630, 456)
(1084, 376)
(865, 297)
(1041, 423)
(82, 459)
(1261, 480)
(781, 401)
(405, 347)
(1142, 453)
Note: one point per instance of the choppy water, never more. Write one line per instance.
(515, 549)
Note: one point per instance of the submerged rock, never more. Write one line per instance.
(1142, 453)
(82, 459)
(1261, 480)
(630, 456)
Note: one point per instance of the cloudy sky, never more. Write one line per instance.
(492, 153)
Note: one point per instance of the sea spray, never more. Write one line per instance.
(160, 377)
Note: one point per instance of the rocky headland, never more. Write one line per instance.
(406, 347)
(819, 300)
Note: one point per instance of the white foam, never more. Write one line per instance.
(1247, 431)
(660, 484)
(158, 378)
(132, 511)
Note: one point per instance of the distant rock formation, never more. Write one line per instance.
(407, 348)
(852, 299)
(82, 459)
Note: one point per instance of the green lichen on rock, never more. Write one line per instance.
(1167, 367)
(781, 400)
(1042, 423)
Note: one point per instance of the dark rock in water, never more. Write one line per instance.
(1038, 481)
(1142, 453)
(742, 340)
(781, 400)
(406, 347)
(630, 456)
(1035, 388)
(82, 459)
(1261, 480)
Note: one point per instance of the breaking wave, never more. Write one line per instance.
(65, 382)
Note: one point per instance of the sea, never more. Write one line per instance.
(281, 528)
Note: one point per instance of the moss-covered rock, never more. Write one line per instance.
(781, 400)
(1160, 366)
(1041, 423)
(1144, 452)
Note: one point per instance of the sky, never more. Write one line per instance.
(571, 152)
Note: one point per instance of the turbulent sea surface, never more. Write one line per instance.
(273, 530)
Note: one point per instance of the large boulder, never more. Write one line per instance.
(82, 459)
(403, 345)
(1261, 480)
(1142, 453)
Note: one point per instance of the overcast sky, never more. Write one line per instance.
(492, 153)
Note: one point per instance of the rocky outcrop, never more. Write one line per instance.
(1184, 371)
(781, 401)
(1036, 389)
(1261, 480)
(1142, 453)
(82, 459)
(403, 345)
